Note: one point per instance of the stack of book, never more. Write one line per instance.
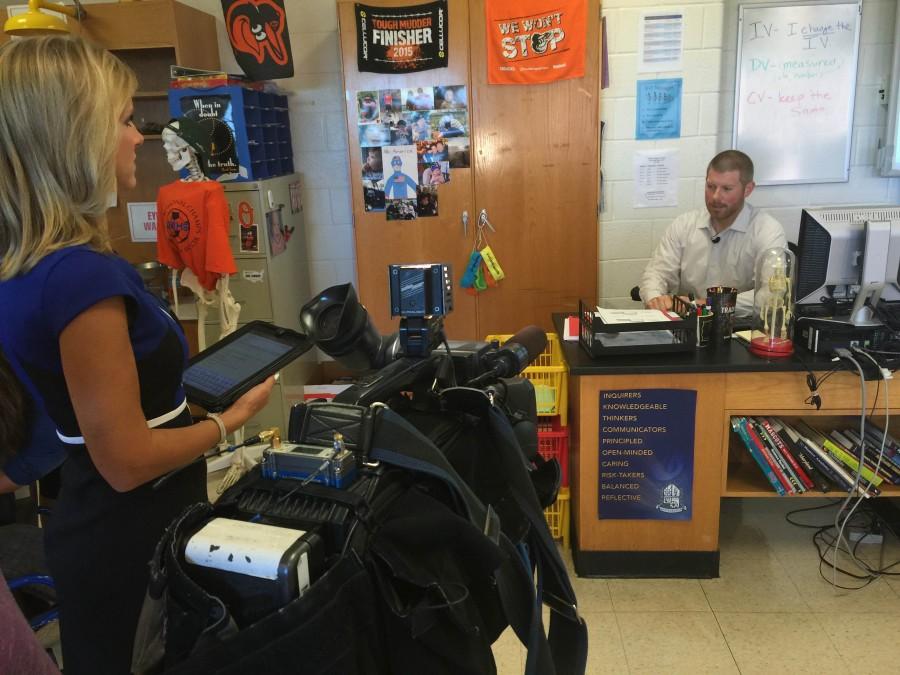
(796, 458)
(193, 78)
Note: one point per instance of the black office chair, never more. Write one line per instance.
(23, 565)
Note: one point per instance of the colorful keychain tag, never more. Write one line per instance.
(468, 277)
(491, 281)
(492, 264)
(480, 283)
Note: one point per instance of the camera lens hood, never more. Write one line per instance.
(341, 327)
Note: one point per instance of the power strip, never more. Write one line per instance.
(866, 537)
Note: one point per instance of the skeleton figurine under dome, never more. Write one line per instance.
(773, 298)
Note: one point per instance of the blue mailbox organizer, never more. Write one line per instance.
(250, 130)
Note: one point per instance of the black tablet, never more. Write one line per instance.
(216, 377)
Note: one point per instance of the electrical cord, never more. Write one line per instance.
(814, 383)
(887, 410)
(449, 361)
(840, 524)
(824, 542)
(842, 353)
(253, 440)
(787, 516)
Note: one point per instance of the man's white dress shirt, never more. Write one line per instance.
(687, 261)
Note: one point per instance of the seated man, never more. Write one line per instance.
(718, 246)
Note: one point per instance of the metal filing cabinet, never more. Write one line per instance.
(268, 287)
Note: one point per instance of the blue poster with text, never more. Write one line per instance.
(658, 109)
(646, 454)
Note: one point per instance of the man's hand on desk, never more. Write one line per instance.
(664, 302)
(661, 302)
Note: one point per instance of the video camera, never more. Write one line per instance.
(347, 459)
(406, 370)
(409, 361)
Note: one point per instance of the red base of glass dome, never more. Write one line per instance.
(772, 348)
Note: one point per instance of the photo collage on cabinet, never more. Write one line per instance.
(409, 141)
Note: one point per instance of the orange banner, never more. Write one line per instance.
(535, 41)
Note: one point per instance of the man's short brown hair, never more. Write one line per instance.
(733, 160)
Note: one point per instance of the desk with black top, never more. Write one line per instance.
(728, 381)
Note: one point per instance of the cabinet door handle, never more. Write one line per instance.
(465, 222)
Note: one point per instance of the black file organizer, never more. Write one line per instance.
(684, 332)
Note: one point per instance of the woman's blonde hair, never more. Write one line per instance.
(60, 103)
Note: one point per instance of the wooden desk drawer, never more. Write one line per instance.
(773, 392)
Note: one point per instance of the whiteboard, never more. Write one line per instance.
(794, 88)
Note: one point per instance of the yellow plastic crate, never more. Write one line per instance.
(549, 375)
(557, 516)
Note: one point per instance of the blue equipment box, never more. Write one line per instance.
(250, 130)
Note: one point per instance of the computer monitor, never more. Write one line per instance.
(848, 261)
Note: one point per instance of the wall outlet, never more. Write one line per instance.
(881, 92)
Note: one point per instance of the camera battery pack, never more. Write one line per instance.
(252, 567)
(310, 462)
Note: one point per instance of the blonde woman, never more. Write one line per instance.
(85, 338)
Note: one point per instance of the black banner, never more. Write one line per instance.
(259, 37)
(401, 39)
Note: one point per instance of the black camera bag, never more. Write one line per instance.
(432, 571)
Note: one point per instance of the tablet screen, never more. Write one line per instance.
(235, 363)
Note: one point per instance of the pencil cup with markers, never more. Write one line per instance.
(722, 300)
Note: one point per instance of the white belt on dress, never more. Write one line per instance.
(155, 422)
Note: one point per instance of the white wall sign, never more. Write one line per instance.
(142, 221)
(656, 174)
(661, 41)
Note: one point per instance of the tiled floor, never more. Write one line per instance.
(768, 612)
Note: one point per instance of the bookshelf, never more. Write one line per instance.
(782, 395)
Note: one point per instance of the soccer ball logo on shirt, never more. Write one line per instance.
(182, 226)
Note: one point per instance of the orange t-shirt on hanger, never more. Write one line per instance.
(192, 230)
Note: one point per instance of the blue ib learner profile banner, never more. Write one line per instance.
(646, 454)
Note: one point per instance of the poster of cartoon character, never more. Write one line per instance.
(401, 179)
(258, 32)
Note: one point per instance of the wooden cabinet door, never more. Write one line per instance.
(535, 171)
(536, 163)
(439, 239)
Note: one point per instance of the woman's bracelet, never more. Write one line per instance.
(219, 423)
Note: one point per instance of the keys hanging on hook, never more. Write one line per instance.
(484, 222)
(491, 263)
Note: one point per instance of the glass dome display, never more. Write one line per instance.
(773, 302)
